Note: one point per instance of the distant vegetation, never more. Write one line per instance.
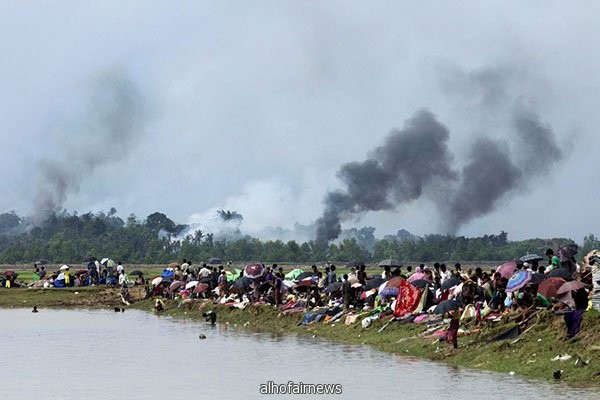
(72, 238)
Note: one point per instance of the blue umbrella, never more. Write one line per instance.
(518, 280)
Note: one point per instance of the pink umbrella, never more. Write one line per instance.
(254, 271)
(200, 288)
(176, 285)
(507, 269)
(416, 276)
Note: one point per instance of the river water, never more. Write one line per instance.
(59, 354)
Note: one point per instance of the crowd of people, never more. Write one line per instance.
(402, 293)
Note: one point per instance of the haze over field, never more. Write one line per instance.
(467, 119)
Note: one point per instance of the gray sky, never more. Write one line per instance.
(254, 106)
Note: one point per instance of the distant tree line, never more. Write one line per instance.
(72, 238)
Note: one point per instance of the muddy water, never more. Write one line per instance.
(59, 354)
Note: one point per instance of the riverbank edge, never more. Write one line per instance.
(528, 356)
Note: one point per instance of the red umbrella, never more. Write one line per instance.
(394, 282)
(549, 287)
(254, 271)
(306, 283)
(507, 269)
(568, 286)
(81, 272)
(201, 288)
(8, 273)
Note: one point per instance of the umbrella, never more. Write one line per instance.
(168, 273)
(531, 258)
(374, 283)
(568, 286)
(394, 282)
(9, 273)
(293, 274)
(536, 277)
(518, 280)
(137, 272)
(306, 283)
(254, 271)
(549, 287)
(567, 299)
(157, 281)
(420, 283)
(561, 273)
(304, 275)
(215, 261)
(173, 265)
(191, 284)
(61, 277)
(416, 276)
(176, 285)
(333, 287)
(450, 283)
(507, 269)
(200, 288)
(242, 282)
(64, 267)
(446, 305)
(41, 262)
(81, 272)
(390, 262)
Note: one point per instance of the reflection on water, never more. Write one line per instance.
(59, 354)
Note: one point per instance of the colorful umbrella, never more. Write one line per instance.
(293, 274)
(191, 284)
(201, 288)
(507, 269)
(416, 276)
(168, 273)
(176, 285)
(568, 286)
(254, 271)
(549, 287)
(518, 280)
(157, 281)
(394, 282)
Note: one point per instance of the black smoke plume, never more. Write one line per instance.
(410, 160)
(417, 158)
